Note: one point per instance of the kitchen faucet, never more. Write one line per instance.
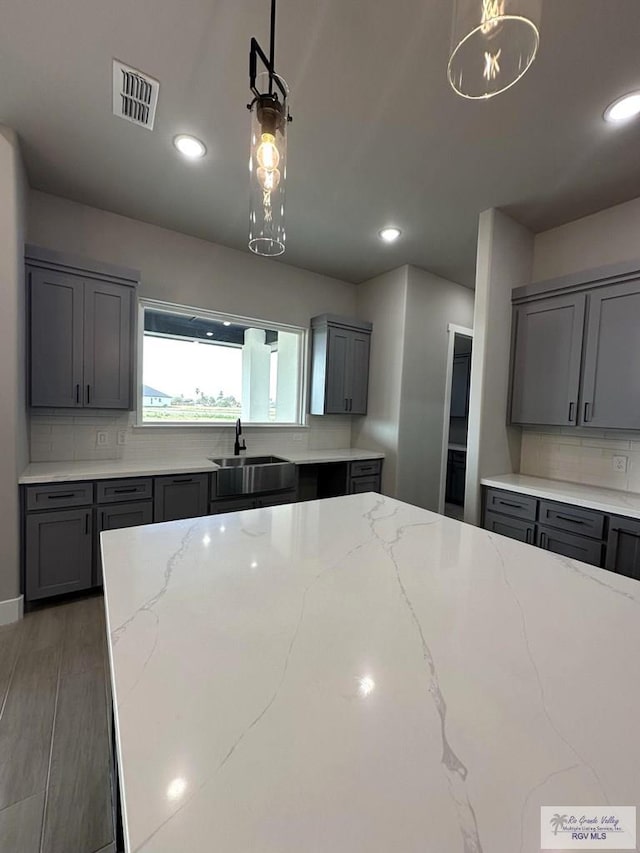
(237, 447)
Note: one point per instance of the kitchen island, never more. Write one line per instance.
(357, 674)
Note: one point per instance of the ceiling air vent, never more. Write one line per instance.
(135, 95)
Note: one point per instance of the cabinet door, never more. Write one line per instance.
(55, 339)
(623, 547)
(108, 374)
(611, 382)
(514, 528)
(546, 361)
(460, 386)
(358, 374)
(231, 505)
(181, 497)
(58, 552)
(360, 485)
(117, 517)
(337, 395)
(276, 500)
(570, 545)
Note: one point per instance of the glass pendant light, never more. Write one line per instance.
(494, 43)
(268, 156)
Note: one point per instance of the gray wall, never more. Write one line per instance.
(432, 303)
(606, 237)
(505, 256)
(178, 268)
(411, 310)
(13, 424)
(382, 301)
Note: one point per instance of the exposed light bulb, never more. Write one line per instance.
(267, 154)
(268, 178)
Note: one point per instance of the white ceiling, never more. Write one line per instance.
(378, 136)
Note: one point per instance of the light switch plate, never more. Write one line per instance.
(620, 464)
(102, 438)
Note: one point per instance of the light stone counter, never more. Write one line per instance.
(60, 472)
(592, 497)
(357, 674)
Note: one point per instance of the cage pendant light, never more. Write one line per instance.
(493, 44)
(268, 154)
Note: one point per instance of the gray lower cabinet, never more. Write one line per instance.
(181, 496)
(58, 552)
(81, 332)
(365, 476)
(570, 545)
(339, 365)
(252, 502)
(514, 528)
(116, 517)
(623, 547)
(611, 381)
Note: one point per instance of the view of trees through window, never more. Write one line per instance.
(198, 368)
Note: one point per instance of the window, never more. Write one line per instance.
(205, 368)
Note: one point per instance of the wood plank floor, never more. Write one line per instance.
(55, 784)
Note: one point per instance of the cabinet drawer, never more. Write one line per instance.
(511, 503)
(359, 485)
(571, 518)
(112, 491)
(513, 528)
(366, 467)
(570, 545)
(59, 495)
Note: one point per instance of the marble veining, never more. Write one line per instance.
(591, 497)
(360, 674)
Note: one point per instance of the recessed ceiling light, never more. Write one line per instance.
(189, 146)
(389, 235)
(209, 334)
(624, 108)
(226, 323)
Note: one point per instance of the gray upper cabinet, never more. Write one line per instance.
(81, 332)
(340, 366)
(108, 320)
(56, 303)
(547, 353)
(611, 383)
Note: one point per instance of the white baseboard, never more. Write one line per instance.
(11, 610)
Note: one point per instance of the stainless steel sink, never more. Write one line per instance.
(247, 475)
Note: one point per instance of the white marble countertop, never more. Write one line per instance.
(357, 674)
(592, 497)
(60, 472)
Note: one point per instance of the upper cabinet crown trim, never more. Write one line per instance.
(50, 259)
(343, 322)
(585, 279)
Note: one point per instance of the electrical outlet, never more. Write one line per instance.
(102, 438)
(620, 464)
(122, 436)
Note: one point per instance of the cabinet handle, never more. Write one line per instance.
(350, 404)
(183, 480)
(61, 496)
(571, 405)
(569, 519)
(78, 394)
(527, 538)
(543, 540)
(127, 491)
(507, 503)
(88, 394)
(86, 524)
(346, 404)
(586, 412)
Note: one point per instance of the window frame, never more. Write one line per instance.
(180, 308)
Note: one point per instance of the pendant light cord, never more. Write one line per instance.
(272, 50)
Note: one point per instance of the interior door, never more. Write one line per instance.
(611, 381)
(546, 361)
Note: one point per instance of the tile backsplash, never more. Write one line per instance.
(582, 456)
(60, 436)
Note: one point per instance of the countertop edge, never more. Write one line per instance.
(625, 503)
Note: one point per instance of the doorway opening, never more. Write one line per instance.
(456, 423)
